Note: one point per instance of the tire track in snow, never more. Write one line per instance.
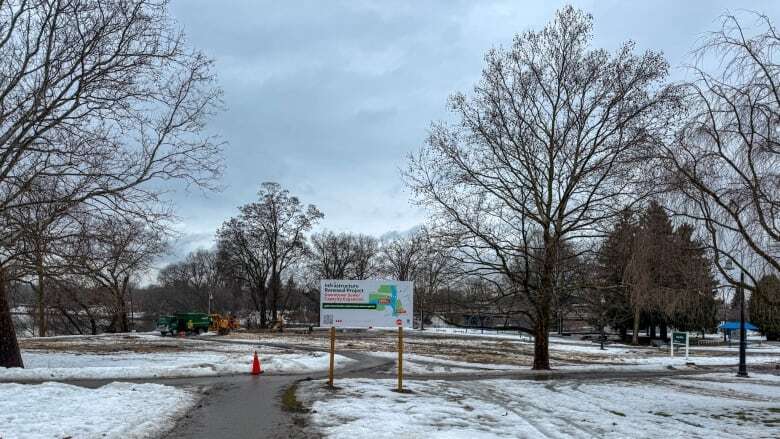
(509, 401)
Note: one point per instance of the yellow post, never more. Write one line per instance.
(332, 355)
(400, 358)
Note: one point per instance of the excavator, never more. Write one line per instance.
(222, 325)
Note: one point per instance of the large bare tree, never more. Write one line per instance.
(543, 150)
(244, 262)
(725, 160)
(265, 239)
(282, 221)
(111, 253)
(98, 98)
(341, 256)
(435, 269)
(402, 257)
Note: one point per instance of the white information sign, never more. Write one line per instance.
(366, 303)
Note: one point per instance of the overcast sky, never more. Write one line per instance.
(328, 97)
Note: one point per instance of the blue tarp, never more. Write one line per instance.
(734, 325)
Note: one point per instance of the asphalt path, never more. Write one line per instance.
(246, 406)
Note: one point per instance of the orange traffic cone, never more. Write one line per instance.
(256, 369)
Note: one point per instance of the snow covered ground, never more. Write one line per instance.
(423, 365)
(116, 410)
(450, 351)
(567, 354)
(714, 405)
(126, 356)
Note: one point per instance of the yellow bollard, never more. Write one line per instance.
(332, 355)
(400, 359)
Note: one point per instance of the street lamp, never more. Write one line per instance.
(601, 323)
(132, 311)
(742, 372)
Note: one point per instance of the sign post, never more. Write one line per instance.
(372, 303)
(332, 355)
(679, 338)
(400, 359)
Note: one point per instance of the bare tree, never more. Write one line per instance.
(197, 278)
(98, 98)
(342, 256)
(80, 304)
(43, 230)
(544, 151)
(436, 269)
(331, 255)
(244, 261)
(365, 250)
(402, 257)
(113, 251)
(725, 160)
(267, 238)
(282, 221)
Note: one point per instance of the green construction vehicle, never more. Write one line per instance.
(188, 323)
(164, 324)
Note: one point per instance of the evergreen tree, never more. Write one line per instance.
(650, 270)
(652, 274)
(691, 304)
(612, 262)
(764, 307)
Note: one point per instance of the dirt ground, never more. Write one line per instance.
(452, 347)
(484, 350)
(117, 343)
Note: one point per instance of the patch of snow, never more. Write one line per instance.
(422, 364)
(530, 409)
(156, 357)
(492, 333)
(123, 365)
(116, 410)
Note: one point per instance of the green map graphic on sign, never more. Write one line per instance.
(387, 295)
(366, 303)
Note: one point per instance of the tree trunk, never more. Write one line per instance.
(41, 297)
(541, 343)
(542, 318)
(125, 322)
(623, 333)
(10, 356)
(664, 331)
(71, 320)
(263, 316)
(635, 336)
(276, 282)
(119, 321)
(422, 316)
(560, 322)
(652, 331)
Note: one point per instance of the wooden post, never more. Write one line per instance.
(400, 359)
(332, 355)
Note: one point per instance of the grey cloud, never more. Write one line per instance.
(317, 91)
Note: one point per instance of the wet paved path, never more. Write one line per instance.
(245, 406)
